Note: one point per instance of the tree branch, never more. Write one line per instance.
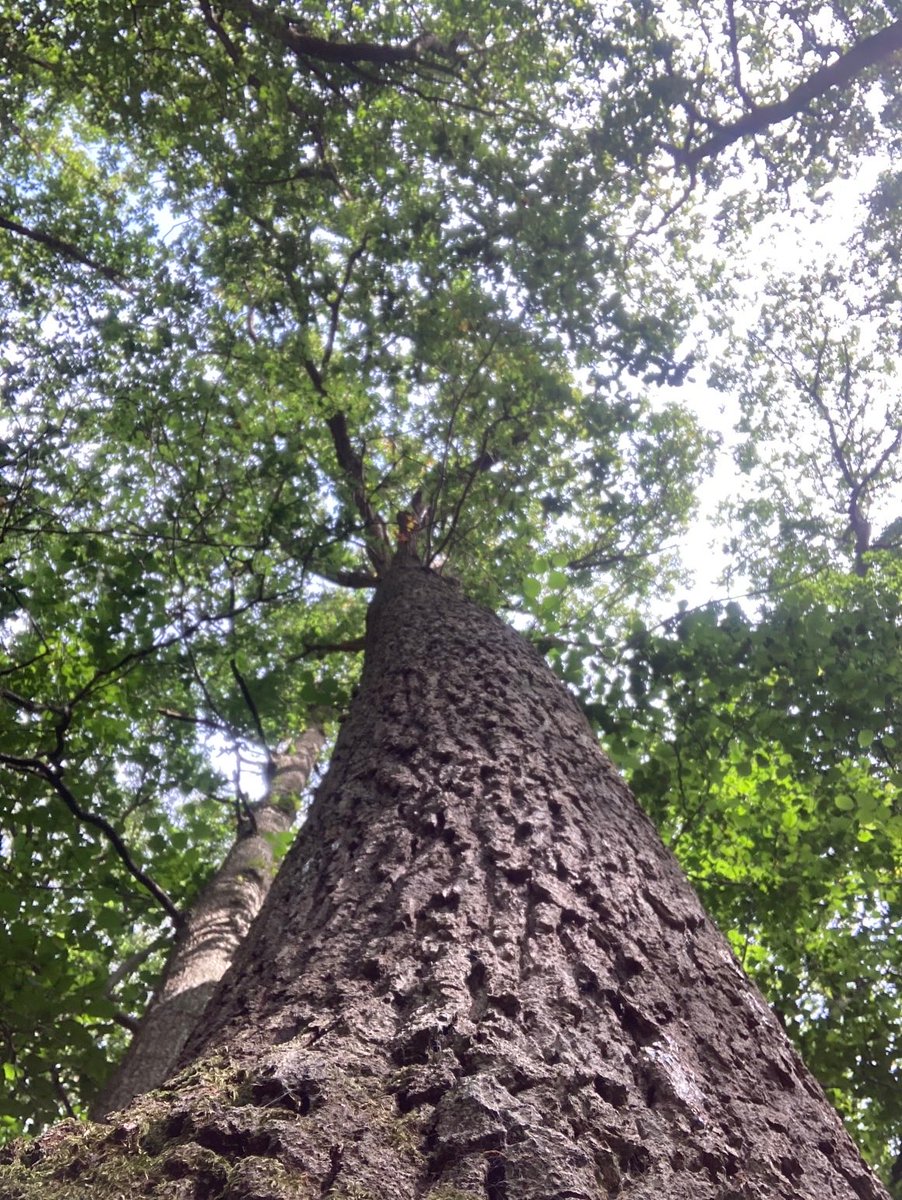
(321, 649)
(295, 38)
(869, 52)
(62, 247)
(227, 44)
(36, 766)
(484, 461)
(62, 1094)
(348, 579)
(335, 305)
(31, 706)
(351, 463)
(248, 699)
(734, 54)
(190, 718)
(436, 493)
(129, 965)
(601, 559)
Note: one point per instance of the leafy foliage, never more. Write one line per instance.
(822, 419)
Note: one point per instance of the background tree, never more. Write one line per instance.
(208, 935)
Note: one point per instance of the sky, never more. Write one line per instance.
(810, 235)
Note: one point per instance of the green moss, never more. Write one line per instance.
(405, 1133)
(350, 1191)
(133, 1158)
(443, 1192)
(216, 1076)
(268, 1179)
(191, 1139)
(76, 1160)
(93, 1163)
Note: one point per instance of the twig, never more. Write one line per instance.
(53, 775)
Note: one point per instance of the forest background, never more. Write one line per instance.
(268, 275)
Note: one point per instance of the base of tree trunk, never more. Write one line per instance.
(304, 1125)
(478, 976)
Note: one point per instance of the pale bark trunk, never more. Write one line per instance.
(479, 974)
(211, 931)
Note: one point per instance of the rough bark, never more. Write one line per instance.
(210, 933)
(478, 974)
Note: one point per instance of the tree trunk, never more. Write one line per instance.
(211, 931)
(479, 974)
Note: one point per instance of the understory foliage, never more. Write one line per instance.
(277, 287)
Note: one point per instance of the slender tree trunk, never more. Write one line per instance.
(211, 931)
(478, 974)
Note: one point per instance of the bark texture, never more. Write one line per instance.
(478, 974)
(211, 932)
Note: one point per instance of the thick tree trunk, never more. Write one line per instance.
(211, 931)
(478, 974)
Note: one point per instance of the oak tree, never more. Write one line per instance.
(285, 293)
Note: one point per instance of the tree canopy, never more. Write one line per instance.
(280, 287)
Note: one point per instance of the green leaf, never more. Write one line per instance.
(531, 588)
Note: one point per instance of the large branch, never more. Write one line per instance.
(351, 464)
(60, 246)
(869, 52)
(314, 54)
(294, 37)
(348, 579)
